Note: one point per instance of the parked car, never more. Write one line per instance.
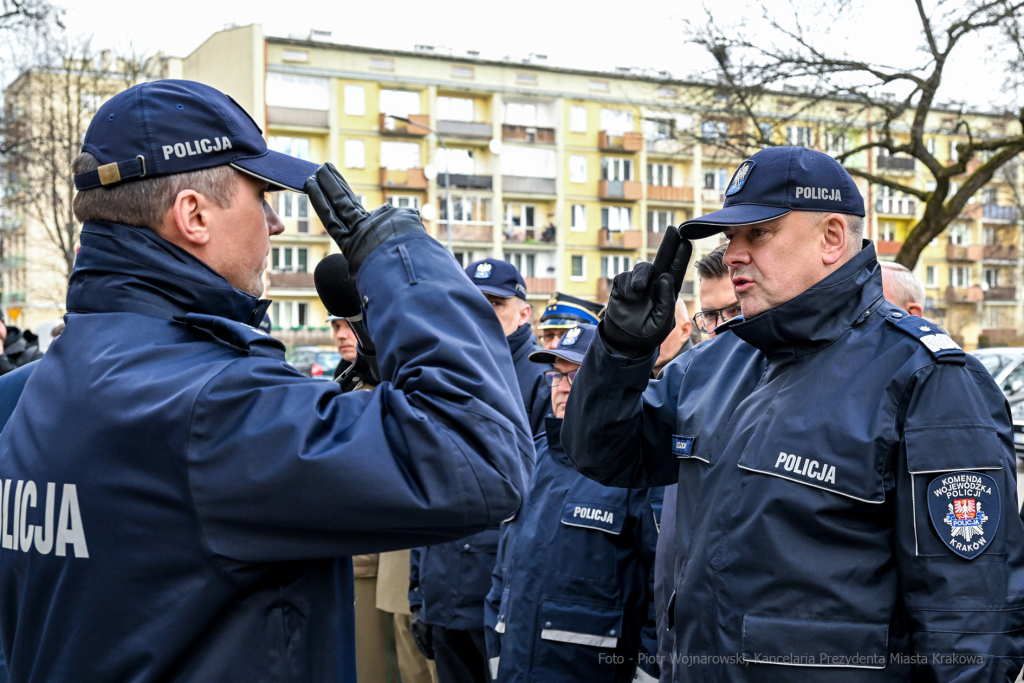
(318, 362)
(1007, 368)
(1017, 414)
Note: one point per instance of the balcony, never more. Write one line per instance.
(629, 190)
(512, 184)
(1001, 294)
(999, 213)
(971, 212)
(973, 252)
(887, 248)
(465, 129)
(900, 164)
(654, 239)
(403, 128)
(527, 134)
(540, 285)
(625, 239)
(291, 280)
(669, 194)
(413, 179)
(669, 146)
(711, 197)
(470, 182)
(896, 206)
(529, 235)
(964, 295)
(289, 116)
(999, 252)
(466, 233)
(627, 142)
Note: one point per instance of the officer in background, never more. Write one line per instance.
(186, 502)
(562, 313)
(903, 288)
(448, 582)
(856, 515)
(570, 597)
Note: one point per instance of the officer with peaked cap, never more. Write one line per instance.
(562, 313)
(571, 595)
(847, 480)
(181, 505)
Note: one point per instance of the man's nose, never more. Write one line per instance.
(274, 223)
(735, 254)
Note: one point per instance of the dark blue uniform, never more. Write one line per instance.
(536, 394)
(571, 595)
(817, 447)
(180, 503)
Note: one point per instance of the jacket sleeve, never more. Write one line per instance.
(966, 616)
(648, 666)
(415, 594)
(282, 467)
(618, 420)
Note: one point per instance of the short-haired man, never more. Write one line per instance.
(182, 504)
(562, 313)
(678, 340)
(570, 595)
(902, 287)
(718, 302)
(853, 520)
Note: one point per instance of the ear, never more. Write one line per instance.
(188, 220)
(524, 314)
(687, 328)
(834, 238)
(915, 309)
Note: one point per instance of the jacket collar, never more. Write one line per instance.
(553, 426)
(120, 268)
(520, 339)
(816, 318)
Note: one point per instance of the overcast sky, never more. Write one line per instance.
(598, 34)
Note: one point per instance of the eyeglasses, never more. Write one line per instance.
(707, 321)
(554, 377)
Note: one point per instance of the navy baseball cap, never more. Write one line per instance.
(571, 347)
(564, 311)
(167, 127)
(499, 278)
(776, 181)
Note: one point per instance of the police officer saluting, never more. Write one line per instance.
(179, 503)
(856, 515)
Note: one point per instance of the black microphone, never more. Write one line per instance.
(341, 298)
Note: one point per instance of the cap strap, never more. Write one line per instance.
(109, 174)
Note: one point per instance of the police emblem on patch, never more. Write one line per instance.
(739, 178)
(483, 271)
(571, 336)
(964, 509)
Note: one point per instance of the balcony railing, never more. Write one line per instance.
(289, 116)
(669, 146)
(887, 248)
(540, 285)
(888, 163)
(527, 134)
(964, 295)
(403, 128)
(1000, 252)
(291, 280)
(616, 239)
(999, 213)
(1001, 294)
(466, 233)
(471, 182)
(413, 179)
(896, 206)
(711, 196)
(669, 194)
(629, 190)
(627, 142)
(465, 129)
(524, 185)
(972, 252)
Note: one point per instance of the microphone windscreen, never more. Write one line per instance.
(335, 288)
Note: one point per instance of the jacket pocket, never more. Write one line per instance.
(577, 641)
(855, 474)
(805, 642)
(592, 520)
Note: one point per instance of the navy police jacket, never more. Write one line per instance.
(449, 581)
(571, 594)
(179, 503)
(847, 491)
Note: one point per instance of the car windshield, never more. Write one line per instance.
(328, 360)
(993, 362)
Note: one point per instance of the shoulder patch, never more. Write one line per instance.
(964, 508)
(942, 347)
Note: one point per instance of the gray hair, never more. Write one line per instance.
(144, 203)
(854, 226)
(906, 287)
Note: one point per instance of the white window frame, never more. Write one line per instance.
(930, 273)
(410, 201)
(578, 218)
(297, 92)
(577, 168)
(619, 218)
(616, 121)
(616, 168)
(355, 154)
(653, 216)
(294, 147)
(960, 235)
(660, 175)
(955, 279)
(577, 119)
(399, 102)
(355, 100)
(800, 136)
(614, 265)
(886, 231)
(392, 155)
(583, 269)
(455, 109)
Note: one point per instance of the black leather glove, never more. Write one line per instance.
(641, 308)
(422, 635)
(355, 230)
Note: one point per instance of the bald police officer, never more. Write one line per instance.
(855, 515)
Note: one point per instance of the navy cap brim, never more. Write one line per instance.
(496, 291)
(738, 214)
(558, 323)
(280, 170)
(548, 357)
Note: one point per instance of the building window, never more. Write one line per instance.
(659, 174)
(659, 221)
(526, 79)
(297, 92)
(467, 209)
(959, 234)
(598, 86)
(382, 64)
(667, 93)
(960, 276)
(988, 235)
(526, 264)
(579, 268)
(520, 215)
(659, 129)
(616, 121)
(577, 168)
(533, 162)
(399, 102)
(835, 143)
(294, 55)
(295, 147)
(460, 161)
(930, 145)
(929, 276)
(991, 277)
(404, 201)
(800, 136)
(578, 119)
(520, 114)
(616, 218)
(455, 109)
(355, 154)
(714, 131)
(886, 231)
(613, 265)
(302, 225)
(400, 156)
(716, 179)
(355, 100)
(615, 168)
(579, 218)
(289, 259)
(954, 155)
(462, 72)
(767, 131)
